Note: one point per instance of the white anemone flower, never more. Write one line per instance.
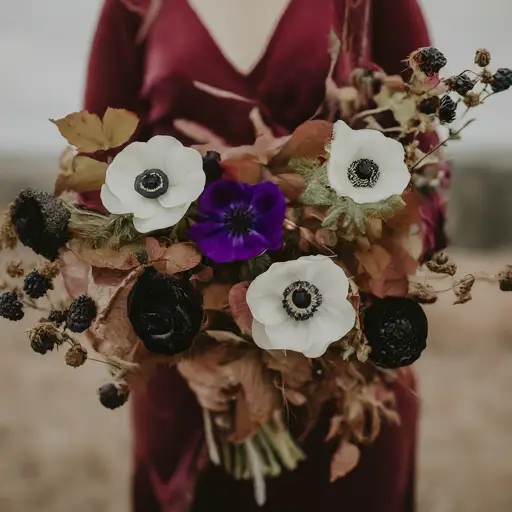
(365, 165)
(301, 305)
(156, 181)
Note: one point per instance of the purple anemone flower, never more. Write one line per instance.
(239, 221)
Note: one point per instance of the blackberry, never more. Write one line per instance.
(40, 222)
(112, 397)
(212, 166)
(482, 58)
(461, 84)
(430, 60)
(10, 307)
(501, 80)
(42, 343)
(506, 285)
(447, 110)
(57, 317)
(396, 329)
(429, 105)
(36, 285)
(81, 313)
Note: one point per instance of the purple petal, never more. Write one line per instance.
(217, 244)
(269, 204)
(219, 195)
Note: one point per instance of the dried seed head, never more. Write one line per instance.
(15, 269)
(486, 77)
(44, 338)
(423, 293)
(50, 270)
(482, 57)
(76, 356)
(472, 99)
(462, 289)
(8, 237)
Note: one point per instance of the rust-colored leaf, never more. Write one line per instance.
(178, 257)
(238, 306)
(216, 297)
(344, 460)
(308, 141)
(83, 130)
(119, 125)
(107, 257)
(244, 169)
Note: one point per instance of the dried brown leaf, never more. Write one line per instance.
(176, 258)
(84, 131)
(334, 427)
(344, 460)
(75, 273)
(85, 175)
(245, 169)
(238, 306)
(373, 260)
(216, 297)
(308, 141)
(119, 125)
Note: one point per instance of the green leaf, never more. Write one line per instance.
(318, 194)
(259, 265)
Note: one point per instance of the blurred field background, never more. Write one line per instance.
(60, 451)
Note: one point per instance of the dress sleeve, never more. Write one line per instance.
(114, 74)
(115, 70)
(398, 27)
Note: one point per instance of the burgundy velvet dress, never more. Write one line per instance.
(162, 79)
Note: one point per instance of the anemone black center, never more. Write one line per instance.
(152, 183)
(301, 300)
(239, 221)
(363, 173)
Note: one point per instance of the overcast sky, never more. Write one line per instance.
(44, 46)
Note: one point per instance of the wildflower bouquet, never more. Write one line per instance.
(275, 276)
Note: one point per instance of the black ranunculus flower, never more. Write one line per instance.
(396, 329)
(41, 222)
(165, 313)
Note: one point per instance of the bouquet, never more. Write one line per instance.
(278, 277)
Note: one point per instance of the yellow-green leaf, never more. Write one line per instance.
(83, 130)
(85, 175)
(119, 125)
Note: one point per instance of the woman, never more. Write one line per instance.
(195, 69)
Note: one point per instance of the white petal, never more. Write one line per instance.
(265, 304)
(125, 167)
(184, 190)
(341, 134)
(329, 327)
(290, 335)
(163, 218)
(260, 336)
(330, 279)
(341, 311)
(112, 203)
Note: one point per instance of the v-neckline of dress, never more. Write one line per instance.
(264, 54)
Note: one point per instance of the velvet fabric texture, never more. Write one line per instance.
(176, 80)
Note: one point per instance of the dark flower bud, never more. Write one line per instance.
(212, 166)
(166, 313)
(57, 317)
(396, 329)
(112, 396)
(429, 106)
(76, 356)
(43, 338)
(447, 110)
(41, 222)
(36, 285)
(10, 307)
(482, 58)
(501, 80)
(81, 313)
(429, 60)
(461, 84)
